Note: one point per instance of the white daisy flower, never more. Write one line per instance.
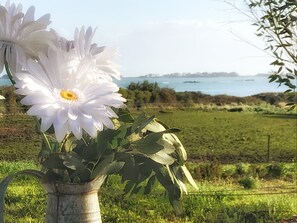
(21, 35)
(105, 68)
(62, 97)
(82, 47)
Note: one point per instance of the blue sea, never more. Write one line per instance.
(235, 86)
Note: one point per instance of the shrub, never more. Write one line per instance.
(247, 182)
(274, 170)
(241, 169)
(207, 171)
(238, 109)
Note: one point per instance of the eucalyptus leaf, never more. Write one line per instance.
(103, 139)
(101, 165)
(59, 172)
(118, 136)
(89, 152)
(178, 178)
(51, 176)
(141, 122)
(66, 177)
(73, 162)
(149, 144)
(162, 158)
(84, 175)
(178, 145)
(155, 126)
(175, 202)
(182, 185)
(173, 189)
(136, 189)
(129, 187)
(54, 161)
(69, 144)
(112, 168)
(150, 184)
(189, 177)
(130, 170)
(76, 180)
(124, 116)
(171, 130)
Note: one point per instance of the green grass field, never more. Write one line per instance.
(216, 136)
(229, 137)
(235, 137)
(215, 201)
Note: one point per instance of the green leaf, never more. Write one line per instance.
(118, 136)
(189, 176)
(54, 161)
(291, 77)
(171, 130)
(129, 170)
(272, 78)
(156, 126)
(83, 174)
(73, 162)
(287, 91)
(76, 180)
(145, 170)
(175, 202)
(5, 182)
(101, 165)
(136, 189)
(150, 184)
(129, 187)
(141, 122)
(277, 63)
(173, 189)
(149, 144)
(288, 69)
(179, 148)
(103, 140)
(66, 177)
(51, 176)
(279, 69)
(162, 158)
(69, 144)
(90, 152)
(124, 116)
(112, 168)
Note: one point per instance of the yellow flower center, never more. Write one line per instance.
(69, 95)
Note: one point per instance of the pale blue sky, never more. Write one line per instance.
(164, 36)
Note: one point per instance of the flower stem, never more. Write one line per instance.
(8, 71)
(47, 143)
(61, 147)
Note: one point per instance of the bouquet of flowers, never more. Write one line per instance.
(88, 133)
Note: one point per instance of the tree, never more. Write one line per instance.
(277, 24)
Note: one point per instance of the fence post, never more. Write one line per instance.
(268, 148)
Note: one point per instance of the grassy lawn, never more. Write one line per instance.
(215, 201)
(229, 137)
(235, 137)
(216, 138)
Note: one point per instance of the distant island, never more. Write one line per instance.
(197, 74)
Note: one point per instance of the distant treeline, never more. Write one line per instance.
(145, 93)
(150, 94)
